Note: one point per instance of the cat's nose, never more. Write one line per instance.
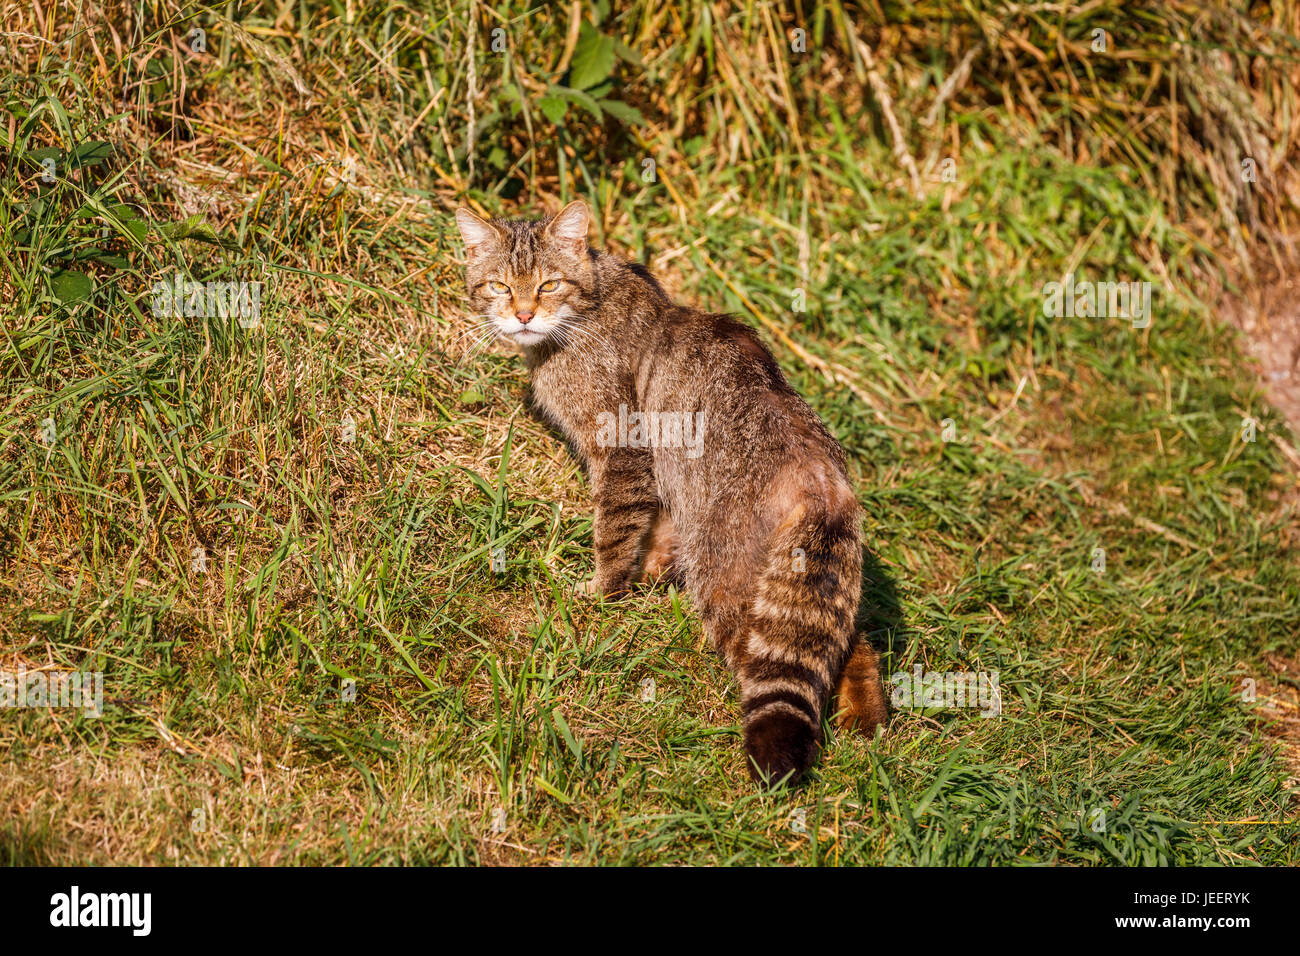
(523, 317)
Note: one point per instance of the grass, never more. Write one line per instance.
(276, 542)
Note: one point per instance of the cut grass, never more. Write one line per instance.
(208, 531)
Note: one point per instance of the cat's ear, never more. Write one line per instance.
(479, 234)
(570, 225)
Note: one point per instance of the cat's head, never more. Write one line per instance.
(533, 279)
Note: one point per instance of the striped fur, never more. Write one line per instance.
(801, 631)
(761, 527)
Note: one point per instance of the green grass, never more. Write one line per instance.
(230, 733)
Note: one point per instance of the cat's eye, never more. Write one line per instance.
(498, 288)
(550, 286)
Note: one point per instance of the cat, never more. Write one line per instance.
(705, 466)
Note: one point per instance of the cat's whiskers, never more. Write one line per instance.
(491, 334)
(564, 337)
(475, 328)
(583, 341)
(582, 337)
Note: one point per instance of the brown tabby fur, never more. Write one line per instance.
(762, 527)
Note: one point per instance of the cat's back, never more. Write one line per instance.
(685, 359)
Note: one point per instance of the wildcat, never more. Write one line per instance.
(736, 489)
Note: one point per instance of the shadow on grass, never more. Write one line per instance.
(880, 618)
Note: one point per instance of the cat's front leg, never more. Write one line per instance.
(626, 507)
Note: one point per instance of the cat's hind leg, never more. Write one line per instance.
(662, 552)
(860, 701)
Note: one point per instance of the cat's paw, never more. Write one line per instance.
(594, 588)
(658, 564)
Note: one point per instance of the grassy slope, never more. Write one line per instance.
(227, 738)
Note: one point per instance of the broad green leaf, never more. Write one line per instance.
(581, 98)
(130, 220)
(627, 54)
(627, 115)
(70, 287)
(593, 59)
(553, 108)
(90, 154)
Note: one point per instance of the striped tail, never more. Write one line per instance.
(801, 632)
